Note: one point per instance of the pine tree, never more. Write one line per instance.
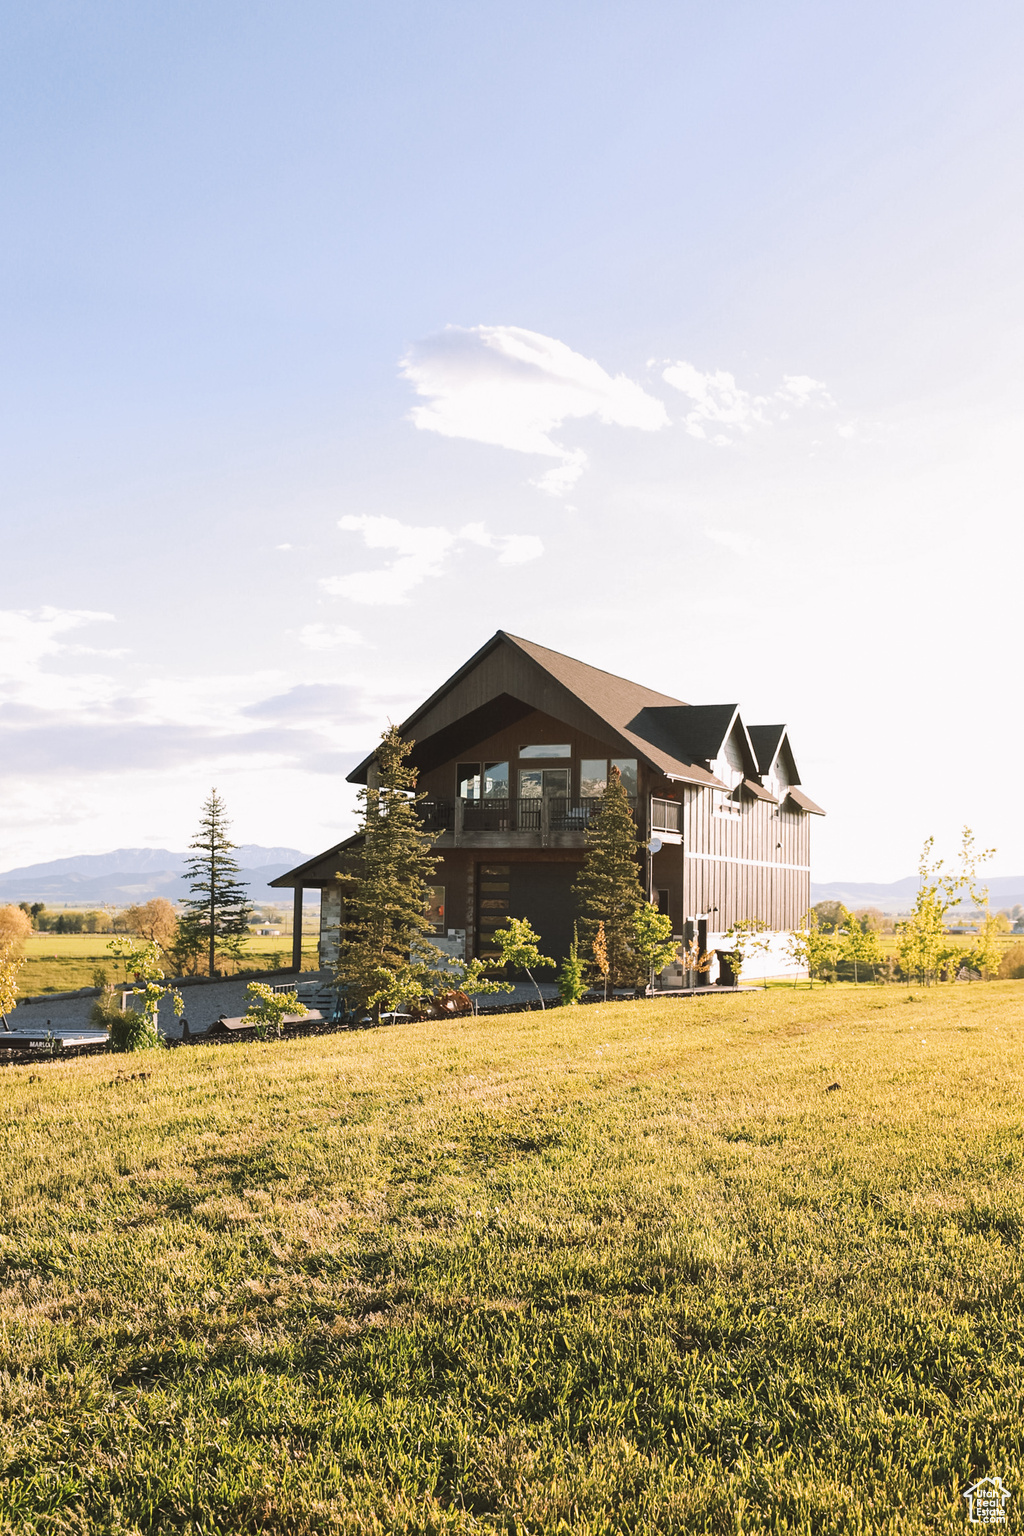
(608, 890)
(385, 956)
(217, 912)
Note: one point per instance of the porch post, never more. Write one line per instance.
(297, 929)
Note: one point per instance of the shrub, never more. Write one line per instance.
(126, 1029)
(1011, 966)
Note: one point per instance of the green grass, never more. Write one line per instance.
(62, 962)
(624, 1268)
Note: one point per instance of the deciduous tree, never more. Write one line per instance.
(520, 949)
(15, 928)
(653, 945)
(860, 945)
(922, 944)
(142, 962)
(267, 1010)
(155, 920)
(748, 938)
(470, 976)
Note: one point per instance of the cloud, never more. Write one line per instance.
(325, 637)
(58, 748)
(716, 398)
(515, 548)
(511, 387)
(803, 389)
(420, 553)
(719, 402)
(30, 640)
(310, 701)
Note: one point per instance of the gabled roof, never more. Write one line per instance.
(510, 673)
(757, 791)
(770, 742)
(695, 732)
(766, 740)
(322, 867)
(804, 802)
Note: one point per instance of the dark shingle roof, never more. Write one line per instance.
(766, 741)
(692, 733)
(804, 802)
(616, 702)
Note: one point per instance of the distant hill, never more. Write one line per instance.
(130, 875)
(1003, 891)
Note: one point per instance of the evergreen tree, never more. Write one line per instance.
(608, 890)
(385, 955)
(217, 912)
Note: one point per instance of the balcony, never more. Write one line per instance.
(538, 822)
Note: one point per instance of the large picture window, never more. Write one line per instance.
(468, 778)
(627, 768)
(495, 781)
(593, 777)
(535, 783)
(491, 784)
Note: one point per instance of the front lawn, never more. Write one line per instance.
(635, 1267)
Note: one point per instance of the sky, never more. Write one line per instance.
(685, 339)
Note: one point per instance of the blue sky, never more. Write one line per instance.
(683, 338)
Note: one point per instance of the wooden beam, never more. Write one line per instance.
(297, 929)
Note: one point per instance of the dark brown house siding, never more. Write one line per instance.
(742, 846)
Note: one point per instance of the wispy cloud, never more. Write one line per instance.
(31, 640)
(804, 390)
(311, 702)
(327, 637)
(722, 410)
(419, 554)
(512, 387)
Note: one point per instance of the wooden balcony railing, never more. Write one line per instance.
(555, 813)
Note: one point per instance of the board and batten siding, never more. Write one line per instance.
(734, 862)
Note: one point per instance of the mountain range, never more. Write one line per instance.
(1003, 891)
(129, 875)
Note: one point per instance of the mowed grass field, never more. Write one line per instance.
(621, 1268)
(61, 962)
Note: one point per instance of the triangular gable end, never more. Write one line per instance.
(509, 676)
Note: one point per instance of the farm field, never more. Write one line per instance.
(635, 1267)
(60, 962)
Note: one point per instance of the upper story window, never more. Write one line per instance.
(547, 750)
(627, 768)
(666, 815)
(594, 776)
(482, 781)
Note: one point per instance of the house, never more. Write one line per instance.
(513, 753)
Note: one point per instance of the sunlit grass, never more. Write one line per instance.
(62, 962)
(628, 1267)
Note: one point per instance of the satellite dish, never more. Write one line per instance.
(654, 845)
